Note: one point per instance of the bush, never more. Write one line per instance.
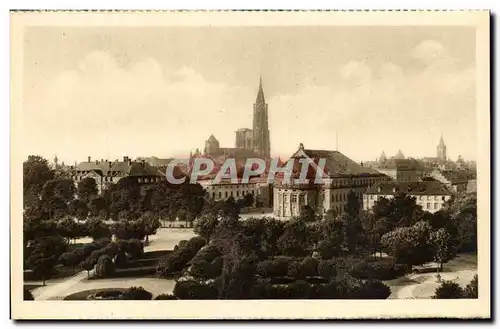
(471, 290)
(105, 267)
(448, 290)
(137, 293)
(374, 289)
(180, 257)
(166, 297)
(273, 268)
(194, 290)
(327, 269)
(28, 295)
(378, 270)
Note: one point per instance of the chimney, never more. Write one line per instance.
(379, 189)
(96, 161)
(125, 159)
(89, 158)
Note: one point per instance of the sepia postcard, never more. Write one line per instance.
(250, 164)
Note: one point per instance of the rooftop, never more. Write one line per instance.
(410, 188)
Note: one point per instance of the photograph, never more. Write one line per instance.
(258, 165)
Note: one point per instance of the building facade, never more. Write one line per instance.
(401, 170)
(106, 172)
(430, 195)
(339, 177)
(225, 189)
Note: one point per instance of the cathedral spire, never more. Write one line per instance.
(260, 94)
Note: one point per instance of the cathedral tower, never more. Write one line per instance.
(261, 142)
(441, 150)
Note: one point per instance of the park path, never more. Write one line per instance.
(58, 289)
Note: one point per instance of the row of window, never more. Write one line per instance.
(231, 194)
(342, 197)
(422, 197)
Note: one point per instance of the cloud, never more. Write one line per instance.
(99, 107)
(392, 109)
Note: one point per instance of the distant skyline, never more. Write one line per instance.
(114, 92)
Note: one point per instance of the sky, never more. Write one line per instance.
(161, 91)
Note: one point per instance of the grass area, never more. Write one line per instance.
(82, 295)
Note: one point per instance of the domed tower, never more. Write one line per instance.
(211, 145)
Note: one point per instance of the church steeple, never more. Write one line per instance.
(260, 93)
(261, 142)
(441, 149)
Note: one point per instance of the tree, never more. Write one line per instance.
(331, 238)
(44, 256)
(69, 229)
(97, 229)
(331, 214)
(151, 224)
(409, 245)
(274, 229)
(97, 205)
(78, 208)
(293, 241)
(205, 226)
(87, 189)
(104, 267)
(444, 247)
(249, 200)
(55, 207)
(471, 290)
(137, 293)
(36, 173)
(166, 297)
(448, 290)
(353, 229)
(61, 187)
(307, 214)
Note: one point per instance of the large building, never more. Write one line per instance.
(249, 142)
(401, 170)
(105, 172)
(340, 176)
(430, 195)
(258, 187)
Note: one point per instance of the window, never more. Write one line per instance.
(371, 197)
(231, 193)
(237, 193)
(435, 206)
(213, 195)
(293, 198)
(226, 194)
(443, 198)
(428, 205)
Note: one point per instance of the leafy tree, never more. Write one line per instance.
(448, 290)
(125, 230)
(36, 173)
(97, 205)
(60, 187)
(374, 289)
(410, 245)
(69, 229)
(44, 256)
(104, 267)
(444, 247)
(78, 208)
(87, 189)
(353, 229)
(331, 214)
(97, 229)
(307, 214)
(137, 293)
(471, 290)
(274, 230)
(249, 200)
(331, 238)
(191, 289)
(151, 224)
(205, 226)
(55, 207)
(293, 241)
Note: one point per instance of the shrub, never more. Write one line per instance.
(137, 293)
(273, 268)
(377, 270)
(28, 295)
(194, 290)
(308, 267)
(448, 290)
(166, 297)
(105, 267)
(327, 269)
(471, 290)
(374, 289)
(179, 258)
